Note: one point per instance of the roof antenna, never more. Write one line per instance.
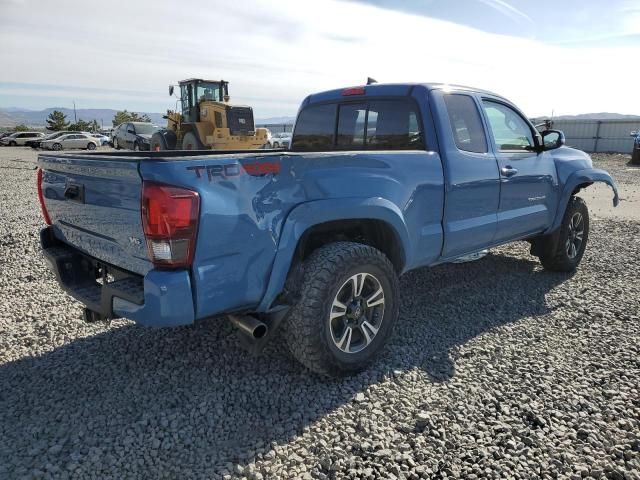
(371, 80)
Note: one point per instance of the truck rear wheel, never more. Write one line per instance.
(563, 250)
(347, 308)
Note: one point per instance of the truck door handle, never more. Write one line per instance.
(508, 171)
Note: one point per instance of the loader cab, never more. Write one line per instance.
(195, 91)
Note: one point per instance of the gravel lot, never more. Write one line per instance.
(497, 370)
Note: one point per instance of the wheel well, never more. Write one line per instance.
(375, 233)
(580, 187)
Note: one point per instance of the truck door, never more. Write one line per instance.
(527, 178)
(190, 109)
(472, 182)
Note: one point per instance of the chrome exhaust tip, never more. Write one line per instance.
(249, 326)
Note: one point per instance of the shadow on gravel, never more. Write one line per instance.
(190, 398)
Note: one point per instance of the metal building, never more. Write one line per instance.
(599, 135)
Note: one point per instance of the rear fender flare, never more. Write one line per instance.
(309, 214)
(585, 176)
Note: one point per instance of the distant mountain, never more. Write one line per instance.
(10, 117)
(275, 120)
(594, 116)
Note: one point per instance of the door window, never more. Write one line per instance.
(466, 124)
(510, 131)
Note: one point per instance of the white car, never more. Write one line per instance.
(280, 140)
(71, 140)
(102, 139)
(20, 138)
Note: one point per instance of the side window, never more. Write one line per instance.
(314, 128)
(510, 131)
(466, 124)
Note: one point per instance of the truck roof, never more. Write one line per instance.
(394, 89)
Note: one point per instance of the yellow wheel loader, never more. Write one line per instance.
(208, 121)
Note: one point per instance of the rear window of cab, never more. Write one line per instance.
(370, 125)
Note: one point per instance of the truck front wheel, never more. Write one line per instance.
(563, 250)
(346, 311)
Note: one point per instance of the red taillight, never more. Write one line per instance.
(45, 214)
(353, 91)
(170, 222)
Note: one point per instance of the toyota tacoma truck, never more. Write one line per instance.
(310, 242)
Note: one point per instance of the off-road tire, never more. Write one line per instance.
(158, 143)
(552, 249)
(307, 330)
(190, 141)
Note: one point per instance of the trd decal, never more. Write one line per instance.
(219, 172)
(261, 168)
(216, 171)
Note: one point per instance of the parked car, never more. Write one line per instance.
(35, 143)
(280, 140)
(71, 141)
(380, 180)
(103, 139)
(20, 138)
(133, 135)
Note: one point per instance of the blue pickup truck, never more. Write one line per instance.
(310, 241)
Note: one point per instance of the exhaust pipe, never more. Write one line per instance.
(249, 326)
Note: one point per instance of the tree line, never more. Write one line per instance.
(57, 120)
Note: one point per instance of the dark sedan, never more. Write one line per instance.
(133, 135)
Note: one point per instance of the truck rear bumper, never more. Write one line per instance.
(159, 298)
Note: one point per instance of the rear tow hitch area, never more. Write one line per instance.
(253, 332)
(91, 316)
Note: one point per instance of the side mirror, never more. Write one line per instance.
(552, 139)
(170, 90)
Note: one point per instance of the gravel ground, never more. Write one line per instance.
(497, 370)
(628, 179)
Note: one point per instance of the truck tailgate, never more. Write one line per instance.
(94, 205)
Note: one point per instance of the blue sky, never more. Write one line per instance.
(568, 56)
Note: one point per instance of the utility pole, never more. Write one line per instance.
(75, 118)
